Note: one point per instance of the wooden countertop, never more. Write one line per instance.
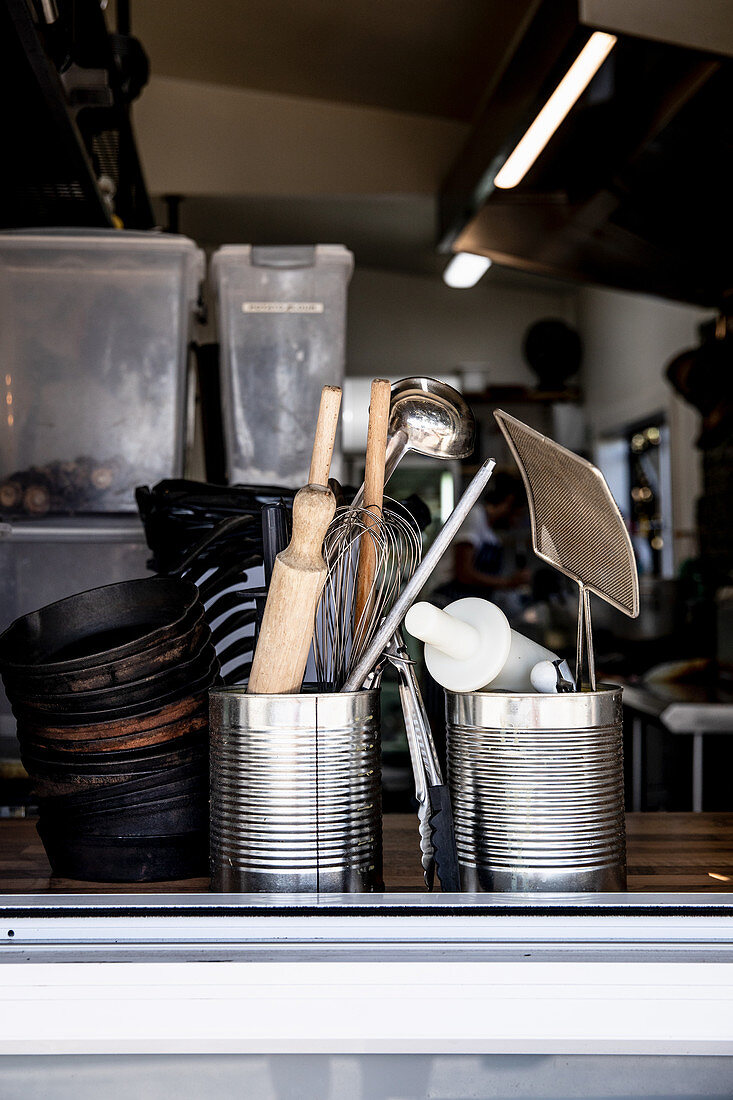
(681, 853)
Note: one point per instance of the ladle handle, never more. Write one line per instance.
(397, 445)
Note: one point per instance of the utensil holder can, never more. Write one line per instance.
(538, 790)
(295, 792)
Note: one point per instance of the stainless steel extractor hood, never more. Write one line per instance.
(633, 189)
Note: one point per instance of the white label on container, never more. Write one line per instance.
(282, 307)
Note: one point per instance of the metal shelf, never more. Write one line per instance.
(66, 120)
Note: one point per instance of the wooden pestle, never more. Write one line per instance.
(376, 449)
(299, 572)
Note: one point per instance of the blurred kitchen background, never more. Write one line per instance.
(603, 318)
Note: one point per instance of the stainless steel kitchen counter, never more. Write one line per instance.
(402, 973)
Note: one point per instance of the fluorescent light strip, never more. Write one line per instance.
(568, 91)
(465, 269)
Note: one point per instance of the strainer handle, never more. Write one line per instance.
(584, 640)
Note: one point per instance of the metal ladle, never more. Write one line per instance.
(428, 417)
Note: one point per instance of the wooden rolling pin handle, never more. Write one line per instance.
(298, 577)
(328, 415)
(313, 510)
(299, 572)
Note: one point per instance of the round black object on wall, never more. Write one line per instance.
(553, 351)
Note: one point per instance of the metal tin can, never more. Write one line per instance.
(295, 792)
(538, 790)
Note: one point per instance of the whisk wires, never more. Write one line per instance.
(345, 625)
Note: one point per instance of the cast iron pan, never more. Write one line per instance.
(155, 687)
(46, 764)
(149, 661)
(147, 785)
(76, 749)
(129, 859)
(194, 791)
(150, 820)
(72, 785)
(100, 625)
(36, 713)
(69, 806)
(146, 804)
(59, 739)
(157, 716)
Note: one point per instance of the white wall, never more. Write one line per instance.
(628, 340)
(404, 324)
(209, 139)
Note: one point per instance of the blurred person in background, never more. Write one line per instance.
(485, 561)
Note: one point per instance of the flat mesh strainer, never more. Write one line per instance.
(576, 526)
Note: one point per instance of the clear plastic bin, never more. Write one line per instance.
(282, 329)
(94, 334)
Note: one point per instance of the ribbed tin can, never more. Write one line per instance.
(295, 792)
(537, 788)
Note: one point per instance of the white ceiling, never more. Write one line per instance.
(432, 57)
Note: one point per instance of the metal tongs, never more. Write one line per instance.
(437, 835)
(435, 816)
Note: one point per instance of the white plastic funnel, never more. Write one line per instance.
(470, 645)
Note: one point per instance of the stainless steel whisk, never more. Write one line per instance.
(344, 631)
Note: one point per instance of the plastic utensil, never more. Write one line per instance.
(470, 645)
(551, 677)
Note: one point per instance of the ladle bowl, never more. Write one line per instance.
(430, 418)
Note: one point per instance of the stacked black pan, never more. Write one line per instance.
(110, 689)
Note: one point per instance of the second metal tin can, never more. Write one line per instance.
(538, 791)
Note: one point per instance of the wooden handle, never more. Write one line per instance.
(373, 498)
(299, 572)
(328, 415)
(297, 579)
(376, 448)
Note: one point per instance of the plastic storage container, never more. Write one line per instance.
(94, 333)
(282, 326)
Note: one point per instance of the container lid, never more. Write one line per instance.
(284, 256)
(134, 238)
(124, 240)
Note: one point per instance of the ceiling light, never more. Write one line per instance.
(465, 269)
(570, 88)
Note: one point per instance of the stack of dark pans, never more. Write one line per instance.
(110, 692)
